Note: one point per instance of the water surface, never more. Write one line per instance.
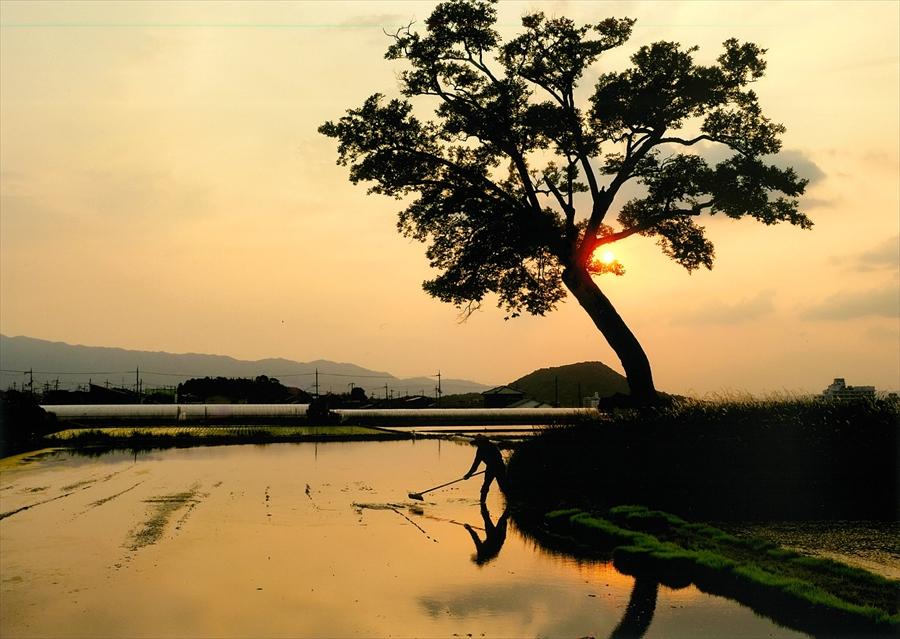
(303, 540)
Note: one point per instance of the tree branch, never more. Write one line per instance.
(646, 226)
(686, 142)
(559, 197)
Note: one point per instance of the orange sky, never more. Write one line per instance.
(163, 187)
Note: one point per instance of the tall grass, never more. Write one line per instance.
(756, 458)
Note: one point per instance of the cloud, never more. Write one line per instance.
(736, 313)
(388, 21)
(801, 163)
(795, 158)
(888, 335)
(807, 203)
(884, 256)
(881, 161)
(879, 302)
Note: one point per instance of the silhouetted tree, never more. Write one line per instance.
(23, 423)
(260, 390)
(358, 394)
(497, 172)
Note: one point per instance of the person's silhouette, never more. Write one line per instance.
(494, 536)
(495, 468)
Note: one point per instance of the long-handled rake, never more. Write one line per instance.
(419, 495)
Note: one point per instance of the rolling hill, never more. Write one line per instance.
(590, 377)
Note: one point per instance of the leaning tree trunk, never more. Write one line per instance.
(616, 332)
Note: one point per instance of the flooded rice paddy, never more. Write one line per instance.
(304, 540)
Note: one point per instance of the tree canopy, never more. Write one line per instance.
(492, 181)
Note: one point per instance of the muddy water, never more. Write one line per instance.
(301, 540)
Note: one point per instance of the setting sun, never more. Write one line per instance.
(605, 261)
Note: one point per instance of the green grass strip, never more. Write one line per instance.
(809, 591)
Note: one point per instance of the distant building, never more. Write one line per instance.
(502, 397)
(508, 397)
(530, 403)
(592, 401)
(414, 401)
(838, 391)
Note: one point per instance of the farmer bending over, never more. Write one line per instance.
(493, 462)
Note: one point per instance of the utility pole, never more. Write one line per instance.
(31, 381)
(439, 388)
(317, 383)
(385, 392)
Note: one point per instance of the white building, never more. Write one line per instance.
(838, 390)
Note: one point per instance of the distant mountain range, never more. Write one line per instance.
(571, 382)
(77, 365)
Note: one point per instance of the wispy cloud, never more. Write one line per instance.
(881, 257)
(890, 335)
(807, 203)
(744, 310)
(885, 255)
(386, 20)
(879, 302)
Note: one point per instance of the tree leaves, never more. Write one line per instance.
(511, 106)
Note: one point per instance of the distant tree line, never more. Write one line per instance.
(237, 390)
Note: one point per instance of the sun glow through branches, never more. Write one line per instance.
(604, 261)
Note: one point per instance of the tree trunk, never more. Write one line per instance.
(616, 332)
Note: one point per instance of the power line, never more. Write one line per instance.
(6, 370)
(146, 372)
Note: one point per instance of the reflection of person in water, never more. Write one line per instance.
(493, 461)
(494, 536)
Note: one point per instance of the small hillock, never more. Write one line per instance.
(574, 382)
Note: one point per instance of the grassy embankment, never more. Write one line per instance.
(749, 460)
(810, 594)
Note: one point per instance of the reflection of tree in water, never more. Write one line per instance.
(641, 604)
(494, 536)
(639, 612)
